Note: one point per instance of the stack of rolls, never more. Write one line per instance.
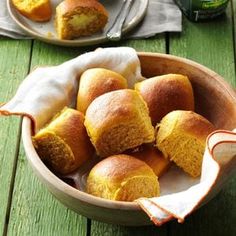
(137, 134)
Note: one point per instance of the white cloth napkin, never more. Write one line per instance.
(162, 16)
(47, 90)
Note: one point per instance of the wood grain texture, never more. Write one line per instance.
(211, 44)
(156, 44)
(217, 218)
(14, 61)
(100, 229)
(34, 210)
(208, 43)
(46, 54)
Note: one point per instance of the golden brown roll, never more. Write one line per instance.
(64, 144)
(153, 157)
(117, 121)
(75, 18)
(122, 178)
(181, 137)
(95, 82)
(166, 93)
(39, 10)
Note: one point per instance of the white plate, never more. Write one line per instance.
(46, 31)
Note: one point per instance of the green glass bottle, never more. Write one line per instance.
(197, 10)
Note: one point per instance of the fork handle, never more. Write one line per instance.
(115, 31)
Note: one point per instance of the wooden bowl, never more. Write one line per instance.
(215, 100)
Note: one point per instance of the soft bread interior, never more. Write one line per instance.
(185, 150)
(28, 5)
(54, 151)
(181, 137)
(136, 187)
(122, 178)
(81, 21)
(122, 137)
(126, 122)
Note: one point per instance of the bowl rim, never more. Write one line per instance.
(48, 177)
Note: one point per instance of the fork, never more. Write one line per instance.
(115, 31)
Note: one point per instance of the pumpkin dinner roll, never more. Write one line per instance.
(153, 157)
(64, 144)
(181, 137)
(75, 18)
(166, 93)
(95, 82)
(36, 10)
(122, 178)
(117, 121)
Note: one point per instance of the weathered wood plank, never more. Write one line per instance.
(156, 44)
(14, 62)
(208, 43)
(34, 210)
(211, 44)
(216, 218)
(101, 229)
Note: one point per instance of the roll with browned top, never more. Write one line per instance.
(182, 137)
(153, 157)
(122, 178)
(75, 18)
(64, 144)
(117, 121)
(95, 82)
(166, 93)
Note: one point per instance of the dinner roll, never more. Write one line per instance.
(64, 144)
(36, 10)
(181, 137)
(95, 82)
(117, 121)
(153, 157)
(166, 93)
(75, 18)
(122, 178)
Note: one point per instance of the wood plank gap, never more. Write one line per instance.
(9, 203)
(167, 40)
(88, 232)
(31, 55)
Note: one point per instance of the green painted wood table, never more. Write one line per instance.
(27, 208)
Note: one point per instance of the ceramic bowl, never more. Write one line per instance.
(215, 100)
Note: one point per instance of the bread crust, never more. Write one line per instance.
(76, 18)
(153, 157)
(95, 82)
(181, 136)
(64, 144)
(166, 93)
(117, 121)
(122, 177)
(67, 6)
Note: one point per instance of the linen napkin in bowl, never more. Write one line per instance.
(47, 90)
(162, 16)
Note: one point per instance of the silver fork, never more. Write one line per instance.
(115, 31)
